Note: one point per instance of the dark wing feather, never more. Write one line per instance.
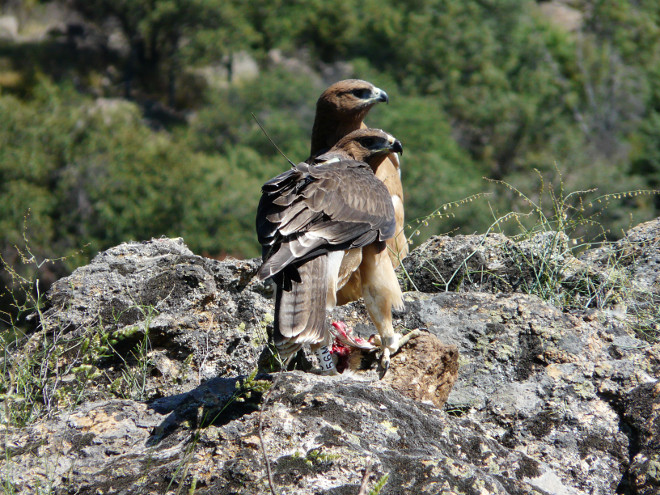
(310, 210)
(357, 197)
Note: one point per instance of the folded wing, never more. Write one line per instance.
(312, 210)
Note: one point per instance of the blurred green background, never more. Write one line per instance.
(130, 119)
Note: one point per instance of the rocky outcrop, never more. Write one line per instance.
(159, 391)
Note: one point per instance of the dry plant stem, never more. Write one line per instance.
(365, 479)
(271, 484)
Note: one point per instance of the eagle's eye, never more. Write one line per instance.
(361, 93)
(368, 142)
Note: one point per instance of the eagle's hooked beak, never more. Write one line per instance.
(380, 95)
(397, 147)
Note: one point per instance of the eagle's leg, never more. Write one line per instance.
(381, 293)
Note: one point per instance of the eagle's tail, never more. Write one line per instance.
(300, 302)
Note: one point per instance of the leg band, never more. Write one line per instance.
(325, 359)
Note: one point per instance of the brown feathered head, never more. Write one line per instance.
(368, 144)
(340, 109)
(350, 98)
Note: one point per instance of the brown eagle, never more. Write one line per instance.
(318, 224)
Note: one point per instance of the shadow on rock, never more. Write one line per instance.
(216, 402)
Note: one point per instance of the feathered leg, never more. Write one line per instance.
(381, 293)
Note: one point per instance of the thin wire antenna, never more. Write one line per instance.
(269, 139)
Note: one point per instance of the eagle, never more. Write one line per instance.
(341, 109)
(318, 224)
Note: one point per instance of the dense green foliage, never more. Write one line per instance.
(113, 133)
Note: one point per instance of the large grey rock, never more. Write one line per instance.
(320, 434)
(637, 255)
(188, 307)
(540, 381)
(642, 412)
(544, 401)
(494, 263)
(641, 247)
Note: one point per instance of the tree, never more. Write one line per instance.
(163, 35)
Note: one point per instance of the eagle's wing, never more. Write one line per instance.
(311, 210)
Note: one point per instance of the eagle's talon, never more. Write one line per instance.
(396, 342)
(384, 364)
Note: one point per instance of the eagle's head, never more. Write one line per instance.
(367, 145)
(341, 109)
(350, 97)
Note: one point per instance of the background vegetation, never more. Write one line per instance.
(130, 119)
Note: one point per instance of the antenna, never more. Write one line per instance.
(269, 139)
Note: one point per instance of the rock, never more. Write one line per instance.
(637, 254)
(494, 263)
(190, 309)
(562, 14)
(425, 370)
(92, 448)
(642, 414)
(235, 69)
(444, 263)
(153, 389)
(320, 434)
(530, 377)
(641, 247)
(634, 265)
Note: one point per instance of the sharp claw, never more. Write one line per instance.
(384, 363)
(395, 344)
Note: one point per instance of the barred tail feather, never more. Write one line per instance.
(300, 303)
